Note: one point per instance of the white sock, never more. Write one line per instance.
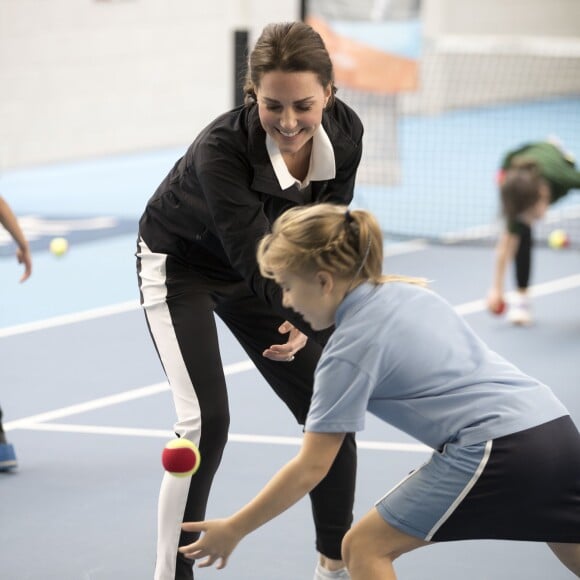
(322, 573)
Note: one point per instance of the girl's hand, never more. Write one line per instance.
(23, 256)
(495, 302)
(215, 545)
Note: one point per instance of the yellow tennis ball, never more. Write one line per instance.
(558, 239)
(59, 246)
(181, 457)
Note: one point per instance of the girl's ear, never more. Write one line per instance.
(325, 281)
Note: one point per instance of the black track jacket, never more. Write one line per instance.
(222, 196)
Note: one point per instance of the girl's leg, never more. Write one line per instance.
(7, 454)
(569, 555)
(372, 545)
(520, 313)
(180, 317)
(523, 259)
(256, 328)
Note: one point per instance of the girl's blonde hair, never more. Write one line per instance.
(307, 239)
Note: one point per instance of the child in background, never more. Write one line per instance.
(10, 223)
(531, 178)
(506, 454)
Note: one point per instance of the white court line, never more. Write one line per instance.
(116, 399)
(69, 318)
(407, 247)
(543, 289)
(36, 421)
(87, 406)
(232, 437)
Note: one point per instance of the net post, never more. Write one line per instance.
(241, 40)
(303, 9)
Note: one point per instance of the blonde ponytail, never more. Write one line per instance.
(346, 243)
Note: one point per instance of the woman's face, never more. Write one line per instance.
(290, 106)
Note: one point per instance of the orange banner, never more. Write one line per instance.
(359, 66)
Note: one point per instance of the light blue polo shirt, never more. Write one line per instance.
(401, 352)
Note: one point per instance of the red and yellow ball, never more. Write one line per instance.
(181, 457)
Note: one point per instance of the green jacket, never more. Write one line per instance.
(555, 165)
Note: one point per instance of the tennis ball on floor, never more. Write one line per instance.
(181, 457)
(58, 246)
(558, 239)
(499, 309)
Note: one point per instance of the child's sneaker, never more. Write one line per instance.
(7, 457)
(520, 313)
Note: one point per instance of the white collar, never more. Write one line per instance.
(322, 163)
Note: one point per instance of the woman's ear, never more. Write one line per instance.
(327, 95)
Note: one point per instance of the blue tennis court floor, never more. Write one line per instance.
(88, 410)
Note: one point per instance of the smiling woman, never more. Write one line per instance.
(292, 121)
(290, 144)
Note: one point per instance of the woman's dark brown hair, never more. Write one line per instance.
(288, 47)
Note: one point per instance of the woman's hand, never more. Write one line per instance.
(285, 352)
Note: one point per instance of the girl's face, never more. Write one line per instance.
(543, 202)
(539, 209)
(316, 297)
(290, 106)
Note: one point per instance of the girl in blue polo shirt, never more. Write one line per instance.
(506, 459)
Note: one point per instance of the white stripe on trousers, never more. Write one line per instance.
(174, 490)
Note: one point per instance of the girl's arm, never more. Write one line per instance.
(299, 476)
(9, 221)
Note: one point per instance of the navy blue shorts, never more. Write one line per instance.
(524, 486)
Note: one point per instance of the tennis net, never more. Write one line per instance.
(432, 154)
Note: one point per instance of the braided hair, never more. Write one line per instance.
(346, 243)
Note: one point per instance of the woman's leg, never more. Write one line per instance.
(181, 322)
(256, 328)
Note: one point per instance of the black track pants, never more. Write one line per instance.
(523, 259)
(179, 304)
